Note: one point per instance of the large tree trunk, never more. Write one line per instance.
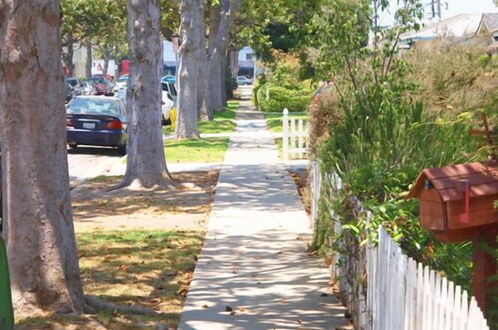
(217, 50)
(89, 59)
(191, 48)
(146, 160)
(215, 74)
(232, 63)
(38, 223)
(205, 111)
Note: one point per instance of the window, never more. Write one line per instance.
(249, 56)
(495, 36)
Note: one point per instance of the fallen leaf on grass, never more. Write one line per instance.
(299, 321)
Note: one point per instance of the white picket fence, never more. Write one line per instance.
(401, 293)
(295, 137)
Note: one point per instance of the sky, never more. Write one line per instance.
(450, 8)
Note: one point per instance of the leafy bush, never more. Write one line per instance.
(388, 117)
(283, 85)
(282, 97)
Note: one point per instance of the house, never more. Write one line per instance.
(461, 27)
(488, 29)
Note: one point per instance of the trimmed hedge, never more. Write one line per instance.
(281, 98)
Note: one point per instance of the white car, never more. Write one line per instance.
(167, 104)
(242, 80)
(166, 107)
(121, 83)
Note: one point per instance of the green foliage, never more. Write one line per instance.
(281, 86)
(6, 312)
(281, 25)
(382, 131)
(281, 98)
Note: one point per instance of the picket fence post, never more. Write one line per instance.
(285, 136)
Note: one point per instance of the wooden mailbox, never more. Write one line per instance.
(456, 204)
(456, 201)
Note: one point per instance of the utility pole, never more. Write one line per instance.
(435, 11)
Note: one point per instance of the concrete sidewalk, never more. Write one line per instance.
(254, 272)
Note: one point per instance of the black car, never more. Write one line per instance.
(97, 121)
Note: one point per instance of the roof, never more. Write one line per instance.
(482, 177)
(491, 21)
(457, 26)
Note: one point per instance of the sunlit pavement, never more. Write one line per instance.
(254, 271)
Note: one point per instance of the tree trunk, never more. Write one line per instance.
(70, 55)
(223, 78)
(38, 223)
(191, 34)
(232, 63)
(215, 73)
(217, 50)
(146, 165)
(107, 58)
(89, 59)
(205, 111)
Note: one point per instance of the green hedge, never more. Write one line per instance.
(281, 98)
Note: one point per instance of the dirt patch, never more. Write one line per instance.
(185, 208)
(136, 248)
(301, 178)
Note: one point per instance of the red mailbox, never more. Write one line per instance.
(456, 204)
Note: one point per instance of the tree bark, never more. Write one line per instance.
(38, 224)
(217, 51)
(70, 56)
(231, 72)
(89, 59)
(107, 58)
(191, 48)
(205, 111)
(146, 165)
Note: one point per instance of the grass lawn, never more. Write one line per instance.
(223, 121)
(274, 121)
(209, 150)
(151, 268)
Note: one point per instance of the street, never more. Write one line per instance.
(89, 162)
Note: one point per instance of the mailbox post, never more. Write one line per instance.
(456, 204)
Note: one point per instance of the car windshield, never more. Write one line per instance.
(93, 106)
(173, 89)
(99, 80)
(72, 82)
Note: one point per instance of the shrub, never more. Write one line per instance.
(282, 97)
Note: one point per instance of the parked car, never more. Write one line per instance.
(167, 104)
(242, 80)
(87, 88)
(102, 86)
(171, 89)
(169, 78)
(98, 121)
(121, 83)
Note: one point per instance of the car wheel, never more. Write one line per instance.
(73, 146)
(122, 149)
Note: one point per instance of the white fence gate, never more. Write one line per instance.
(295, 137)
(401, 293)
